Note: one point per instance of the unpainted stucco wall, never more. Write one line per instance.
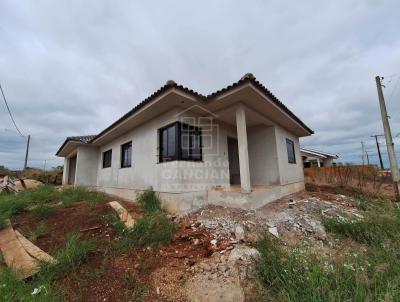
(263, 157)
(289, 173)
(86, 166)
(172, 177)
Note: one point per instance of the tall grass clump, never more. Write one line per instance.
(152, 230)
(149, 201)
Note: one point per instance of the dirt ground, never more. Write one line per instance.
(209, 258)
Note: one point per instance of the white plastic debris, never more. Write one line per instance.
(38, 290)
(214, 241)
(274, 231)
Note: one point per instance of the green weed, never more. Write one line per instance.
(137, 290)
(149, 201)
(374, 229)
(14, 289)
(70, 196)
(42, 211)
(153, 229)
(39, 232)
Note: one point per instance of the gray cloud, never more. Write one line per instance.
(73, 67)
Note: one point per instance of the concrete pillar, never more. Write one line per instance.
(318, 163)
(243, 149)
(65, 171)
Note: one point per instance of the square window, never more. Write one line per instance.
(180, 141)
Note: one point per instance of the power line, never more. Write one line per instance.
(9, 112)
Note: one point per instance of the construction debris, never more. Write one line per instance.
(274, 231)
(15, 255)
(33, 250)
(21, 254)
(8, 185)
(123, 214)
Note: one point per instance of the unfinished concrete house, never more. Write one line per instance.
(237, 147)
(314, 158)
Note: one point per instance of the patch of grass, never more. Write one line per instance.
(136, 288)
(149, 201)
(76, 251)
(10, 205)
(153, 229)
(39, 232)
(42, 211)
(39, 195)
(374, 229)
(113, 219)
(362, 202)
(71, 195)
(14, 289)
(150, 230)
(300, 276)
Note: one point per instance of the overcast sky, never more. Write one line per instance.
(73, 67)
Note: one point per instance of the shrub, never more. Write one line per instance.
(149, 202)
(42, 211)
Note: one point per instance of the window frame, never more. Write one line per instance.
(178, 143)
(123, 148)
(290, 142)
(104, 157)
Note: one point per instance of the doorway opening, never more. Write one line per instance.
(233, 158)
(71, 170)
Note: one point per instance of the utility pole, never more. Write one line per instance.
(27, 152)
(363, 153)
(366, 153)
(379, 149)
(389, 140)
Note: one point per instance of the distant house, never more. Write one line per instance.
(237, 147)
(314, 158)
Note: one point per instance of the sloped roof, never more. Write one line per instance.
(318, 153)
(246, 79)
(84, 139)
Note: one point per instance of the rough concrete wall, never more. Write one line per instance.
(328, 162)
(289, 173)
(86, 166)
(175, 176)
(263, 157)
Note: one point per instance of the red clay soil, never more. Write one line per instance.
(115, 276)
